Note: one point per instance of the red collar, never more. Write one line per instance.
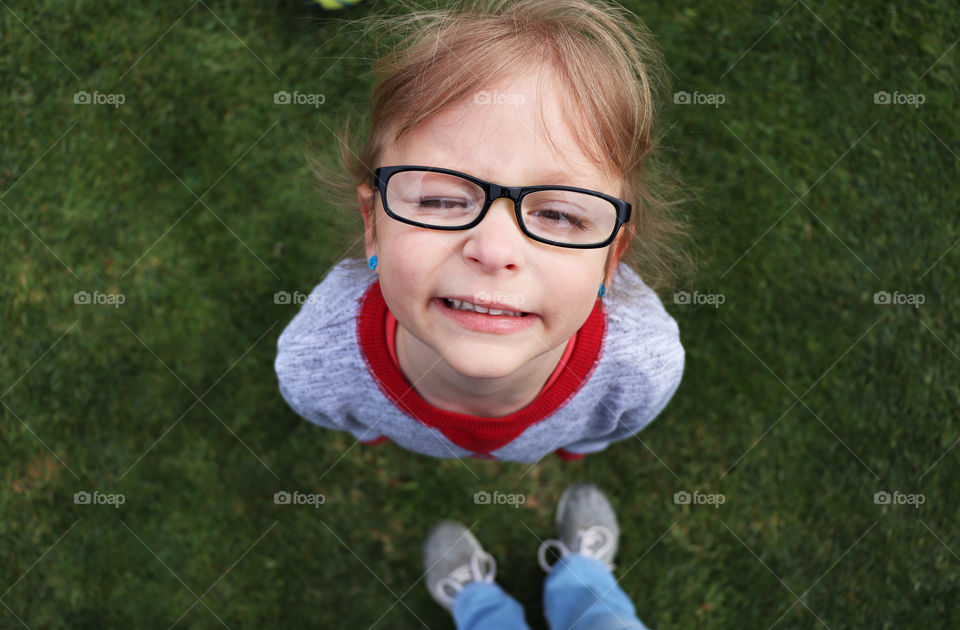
(474, 433)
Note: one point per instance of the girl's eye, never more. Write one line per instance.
(443, 203)
(557, 216)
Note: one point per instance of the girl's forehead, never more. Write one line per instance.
(512, 134)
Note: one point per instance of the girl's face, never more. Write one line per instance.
(500, 139)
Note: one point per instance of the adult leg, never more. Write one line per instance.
(580, 593)
(459, 577)
(486, 606)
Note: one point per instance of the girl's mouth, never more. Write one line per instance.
(476, 308)
(467, 318)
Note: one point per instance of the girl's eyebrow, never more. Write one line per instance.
(563, 178)
(553, 177)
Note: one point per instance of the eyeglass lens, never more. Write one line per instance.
(443, 200)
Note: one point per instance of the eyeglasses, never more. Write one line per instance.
(443, 199)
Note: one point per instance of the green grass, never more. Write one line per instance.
(102, 398)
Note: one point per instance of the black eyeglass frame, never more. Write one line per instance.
(382, 175)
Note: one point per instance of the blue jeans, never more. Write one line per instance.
(579, 593)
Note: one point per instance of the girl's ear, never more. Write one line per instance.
(366, 200)
(617, 250)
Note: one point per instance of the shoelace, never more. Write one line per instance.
(462, 575)
(593, 541)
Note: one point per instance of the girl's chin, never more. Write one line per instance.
(495, 369)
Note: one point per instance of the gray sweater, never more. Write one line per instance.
(335, 370)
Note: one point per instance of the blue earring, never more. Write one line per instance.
(602, 291)
(372, 262)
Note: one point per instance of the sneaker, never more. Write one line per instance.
(586, 525)
(452, 558)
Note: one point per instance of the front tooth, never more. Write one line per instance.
(467, 306)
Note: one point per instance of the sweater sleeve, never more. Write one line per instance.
(649, 360)
(635, 419)
(310, 379)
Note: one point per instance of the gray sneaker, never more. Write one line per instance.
(452, 558)
(586, 524)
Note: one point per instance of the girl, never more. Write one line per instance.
(503, 180)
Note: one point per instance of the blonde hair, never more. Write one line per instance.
(612, 77)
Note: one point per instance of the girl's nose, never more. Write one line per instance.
(497, 241)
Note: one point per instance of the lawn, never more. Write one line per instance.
(142, 243)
